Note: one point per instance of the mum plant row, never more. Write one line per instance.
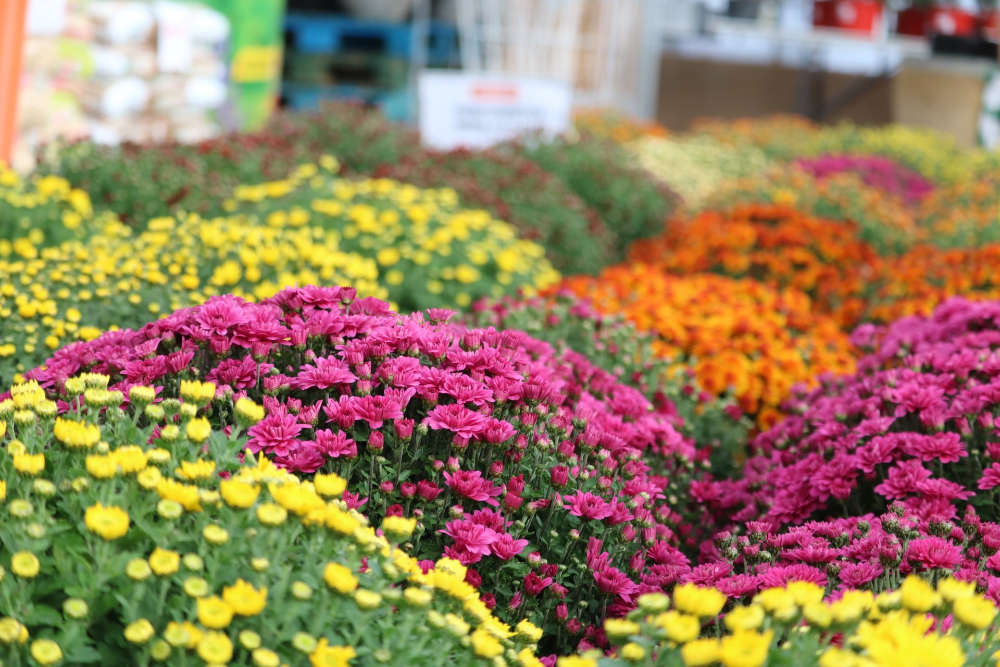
(203, 485)
(826, 258)
(901, 463)
(902, 186)
(471, 429)
(415, 246)
(172, 551)
(839, 265)
(583, 199)
(537, 483)
(758, 298)
(595, 194)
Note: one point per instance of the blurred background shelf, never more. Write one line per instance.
(371, 60)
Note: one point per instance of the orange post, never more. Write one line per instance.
(12, 14)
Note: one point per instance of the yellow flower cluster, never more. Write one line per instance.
(76, 434)
(782, 136)
(119, 279)
(934, 154)
(221, 555)
(41, 211)
(416, 247)
(694, 167)
(430, 251)
(783, 625)
(199, 393)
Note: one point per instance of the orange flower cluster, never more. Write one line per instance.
(783, 136)
(883, 220)
(916, 282)
(776, 245)
(738, 335)
(615, 125)
(844, 277)
(963, 215)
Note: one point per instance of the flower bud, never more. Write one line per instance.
(404, 428)
(171, 406)
(154, 412)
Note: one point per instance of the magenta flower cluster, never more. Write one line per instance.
(908, 447)
(524, 463)
(875, 170)
(872, 552)
(716, 425)
(568, 493)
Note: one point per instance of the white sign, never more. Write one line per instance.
(459, 109)
(174, 37)
(46, 17)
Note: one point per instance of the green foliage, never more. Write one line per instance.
(144, 182)
(615, 345)
(513, 188)
(125, 554)
(42, 211)
(631, 202)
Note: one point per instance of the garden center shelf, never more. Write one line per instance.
(828, 48)
(308, 32)
(336, 57)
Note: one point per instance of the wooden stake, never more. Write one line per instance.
(12, 16)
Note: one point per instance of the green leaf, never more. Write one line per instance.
(42, 615)
(82, 654)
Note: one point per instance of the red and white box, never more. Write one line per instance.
(952, 21)
(913, 21)
(989, 22)
(860, 16)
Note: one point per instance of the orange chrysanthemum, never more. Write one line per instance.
(739, 335)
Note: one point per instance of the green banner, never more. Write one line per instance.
(257, 40)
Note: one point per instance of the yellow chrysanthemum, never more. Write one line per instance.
(46, 651)
(110, 522)
(244, 599)
(398, 528)
(139, 632)
(25, 564)
(164, 562)
(331, 485)
(325, 655)
(215, 648)
(214, 612)
(339, 578)
(29, 464)
(239, 494)
(198, 430)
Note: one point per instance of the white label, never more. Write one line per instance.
(945, 23)
(46, 17)
(174, 37)
(460, 109)
(847, 14)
